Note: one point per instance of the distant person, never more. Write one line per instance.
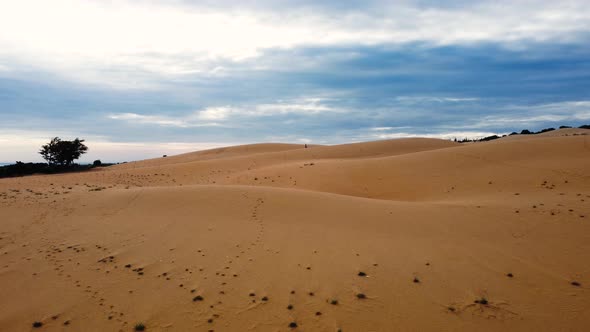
(306, 146)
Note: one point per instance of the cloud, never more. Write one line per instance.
(135, 44)
(222, 114)
(427, 99)
(166, 121)
(304, 106)
(214, 113)
(551, 113)
(442, 135)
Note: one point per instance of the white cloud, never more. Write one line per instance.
(560, 112)
(218, 116)
(301, 106)
(215, 113)
(445, 135)
(128, 43)
(162, 120)
(429, 99)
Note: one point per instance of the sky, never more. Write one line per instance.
(142, 78)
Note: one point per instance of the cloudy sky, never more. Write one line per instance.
(143, 78)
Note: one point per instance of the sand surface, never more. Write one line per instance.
(398, 235)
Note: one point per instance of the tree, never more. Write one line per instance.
(63, 153)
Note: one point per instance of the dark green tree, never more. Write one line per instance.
(63, 153)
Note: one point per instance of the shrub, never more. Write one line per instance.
(482, 301)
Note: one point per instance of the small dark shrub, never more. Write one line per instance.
(482, 301)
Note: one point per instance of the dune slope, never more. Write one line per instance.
(408, 235)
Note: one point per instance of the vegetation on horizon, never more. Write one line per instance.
(522, 132)
(63, 153)
(59, 154)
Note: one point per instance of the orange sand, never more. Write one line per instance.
(433, 225)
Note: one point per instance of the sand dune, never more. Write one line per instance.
(398, 235)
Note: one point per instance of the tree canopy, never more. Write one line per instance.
(63, 153)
